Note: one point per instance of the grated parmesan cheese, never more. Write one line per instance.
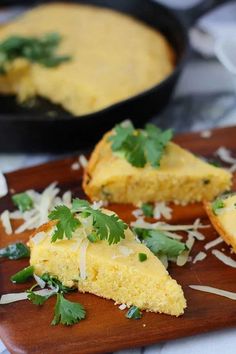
(13, 297)
(199, 257)
(3, 185)
(39, 237)
(43, 203)
(211, 290)
(122, 307)
(82, 261)
(223, 258)
(83, 161)
(5, 218)
(213, 243)
(206, 134)
(161, 209)
(75, 166)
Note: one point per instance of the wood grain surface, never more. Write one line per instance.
(25, 328)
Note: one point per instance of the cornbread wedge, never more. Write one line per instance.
(181, 177)
(97, 76)
(224, 218)
(110, 271)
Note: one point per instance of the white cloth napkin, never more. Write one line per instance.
(215, 25)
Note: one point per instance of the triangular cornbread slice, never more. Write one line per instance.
(224, 219)
(182, 177)
(110, 271)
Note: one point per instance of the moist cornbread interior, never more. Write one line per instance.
(110, 273)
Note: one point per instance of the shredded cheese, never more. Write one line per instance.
(13, 297)
(41, 283)
(39, 237)
(5, 218)
(43, 203)
(213, 243)
(75, 166)
(122, 307)
(223, 258)
(82, 261)
(83, 161)
(206, 134)
(211, 290)
(3, 185)
(161, 209)
(199, 257)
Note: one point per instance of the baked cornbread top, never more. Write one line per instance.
(222, 213)
(113, 57)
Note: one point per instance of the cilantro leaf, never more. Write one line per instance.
(147, 209)
(52, 281)
(217, 205)
(36, 299)
(140, 146)
(106, 227)
(67, 312)
(15, 251)
(134, 313)
(67, 223)
(160, 244)
(22, 201)
(39, 50)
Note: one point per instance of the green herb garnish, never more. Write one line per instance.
(106, 227)
(22, 201)
(217, 205)
(160, 244)
(67, 312)
(39, 50)
(134, 313)
(140, 146)
(147, 209)
(36, 299)
(23, 275)
(15, 251)
(52, 281)
(142, 257)
(67, 222)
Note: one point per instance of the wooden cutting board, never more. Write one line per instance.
(25, 328)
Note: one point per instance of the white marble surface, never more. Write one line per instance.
(200, 77)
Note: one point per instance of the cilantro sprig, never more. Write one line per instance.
(140, 146)
(105, 227)
(39, 50)
(160, 244)
(67, 222)
(67, 312)
(23, 201)
(147, 209)
(16, 250)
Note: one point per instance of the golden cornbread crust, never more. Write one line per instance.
(109, 273)
(182, 177)
(227, 237)
(114, 57)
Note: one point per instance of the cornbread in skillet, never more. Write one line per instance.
(224, 219)
(112, 271)
(181, 177)
(113, 57)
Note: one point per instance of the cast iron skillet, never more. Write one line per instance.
(37, 129)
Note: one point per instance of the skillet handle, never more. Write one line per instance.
(189, 16)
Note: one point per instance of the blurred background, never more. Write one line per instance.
(198, 95)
